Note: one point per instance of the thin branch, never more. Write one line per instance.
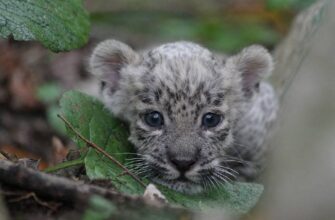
(36, 199)
(64, 165)
(8, 156)
(97, 148)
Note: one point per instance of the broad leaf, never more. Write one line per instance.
(60, 25)
(235, 197)
(102, 209)
(94, 121)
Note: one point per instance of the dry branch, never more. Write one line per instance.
(55, 187)
(79, 194)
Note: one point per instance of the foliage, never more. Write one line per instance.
(49, 94)
(59, 25)
(93, 121)
(226, 34)
(288, 4)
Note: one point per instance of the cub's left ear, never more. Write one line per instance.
(253, 63)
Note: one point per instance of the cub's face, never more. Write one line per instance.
(181, 103)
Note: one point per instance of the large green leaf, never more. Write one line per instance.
(60, 25)
(92, 120)
(236, 197)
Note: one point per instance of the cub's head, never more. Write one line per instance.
(181, 102)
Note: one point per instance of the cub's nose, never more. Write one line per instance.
(182, 165)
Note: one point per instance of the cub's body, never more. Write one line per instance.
(195, 119)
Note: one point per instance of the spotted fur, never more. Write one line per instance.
(183, 81)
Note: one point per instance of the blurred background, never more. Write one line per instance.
(299, 179)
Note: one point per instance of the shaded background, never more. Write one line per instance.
(301, 173)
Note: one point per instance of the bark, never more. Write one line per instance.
(55, 187)
(79, 194)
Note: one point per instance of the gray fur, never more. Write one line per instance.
(184, 81)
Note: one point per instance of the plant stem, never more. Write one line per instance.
(64, 165)
(99, 149)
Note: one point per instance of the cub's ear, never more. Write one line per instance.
(107, 60)
(253, 63)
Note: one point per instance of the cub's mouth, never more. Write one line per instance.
(196, 178)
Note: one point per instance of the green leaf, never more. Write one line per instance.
(49, 92)
(92, 120)
(60, 25)
(52, 112)
(235, 197)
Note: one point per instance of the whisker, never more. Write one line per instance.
(223, 176)
(210, 179)
(227, 158)
(135, 162)
(204, 182)
(215, 181)
(226, 171)
(228, 168)
(222, 173)
(130, 153)
(136, 158)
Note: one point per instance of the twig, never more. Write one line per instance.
(64, 165)
(8, 156)
(97, 148)
(37, 200)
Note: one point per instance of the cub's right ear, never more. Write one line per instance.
(107, 60)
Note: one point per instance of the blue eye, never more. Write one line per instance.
(154, 119)
(210, 120)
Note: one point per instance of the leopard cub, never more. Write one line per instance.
(196, 119)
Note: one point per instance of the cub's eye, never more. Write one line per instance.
(154, 119)
(210, 120)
